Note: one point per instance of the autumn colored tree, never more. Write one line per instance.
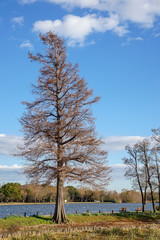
(60, 142)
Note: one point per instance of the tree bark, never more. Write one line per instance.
(143, 206)
(59, 213)
(143, 202)
(151, 189)
(153, 203)
(144, 196)
(159, 196)
(158, 175)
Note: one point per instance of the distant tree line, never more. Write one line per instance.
(143, 167)
(35, 193)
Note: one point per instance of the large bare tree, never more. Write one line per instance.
(60, 141)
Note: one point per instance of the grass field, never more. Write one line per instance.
(94, 226)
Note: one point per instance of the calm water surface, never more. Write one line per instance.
(48, 209)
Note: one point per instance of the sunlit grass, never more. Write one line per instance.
(79, 218)
(113, 234)
(16, 222)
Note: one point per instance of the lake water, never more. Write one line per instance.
(48, 209)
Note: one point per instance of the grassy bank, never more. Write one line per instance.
(80, 219)
(85, 226)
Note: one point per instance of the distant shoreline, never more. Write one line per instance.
(38, 203)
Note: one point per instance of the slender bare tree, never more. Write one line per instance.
(146, 159)
(156, 168)
(156, 157)
(60, 141)
(135, 172)
(144, 175)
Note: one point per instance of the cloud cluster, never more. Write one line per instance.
(15, 173)
(8, 144)
(76, 28)
(117, 15)
(143, 12)
(118, 143)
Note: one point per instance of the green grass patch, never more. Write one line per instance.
(147, 216)
(79, 218)
(16, 222)
(13, 223)
(90, 218)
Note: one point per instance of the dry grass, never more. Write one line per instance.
(114, 234)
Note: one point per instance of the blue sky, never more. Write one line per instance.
(117, 46)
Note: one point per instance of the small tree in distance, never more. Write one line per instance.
(141, 168)
(60, 142)
(135, 172)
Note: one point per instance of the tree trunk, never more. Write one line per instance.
(159, 195)
(153, 203)
(144, 199)
(143, 195)
(143, 207)
(59, 213)
(143, 204)
(151, 189)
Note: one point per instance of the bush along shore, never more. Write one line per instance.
(35, 193)
(83, 226)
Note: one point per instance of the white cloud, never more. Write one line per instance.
(118, 143)
(143, 12)
(157, 35)
(131, 39)
(118, 180)
(76, 29)
(118, 166)
(11, 168)
(12, 173)
(8, 144)
(27, 1)
(118, 171)
(17, 20)
(26, 44)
